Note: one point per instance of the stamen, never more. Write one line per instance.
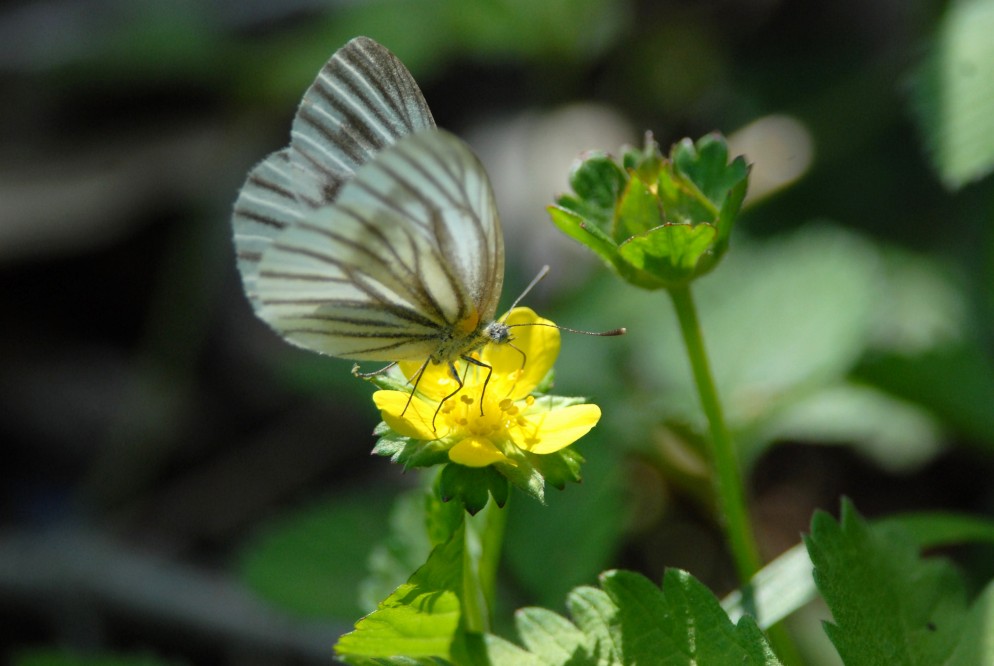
(466, 399)
(506, 404)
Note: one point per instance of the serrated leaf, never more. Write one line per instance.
(550, 636)
(421, 619)
(632, 621)
(681, 624)
(670, 252)
(976, 645)
(785, 584)
(889, 606)
(593, 612)
(505, 653)
(954, 94)
(706, 165)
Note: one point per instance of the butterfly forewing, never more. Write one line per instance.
(362, 101)
(409, 252)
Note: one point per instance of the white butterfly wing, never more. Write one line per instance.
(363, 100)
(409, 256)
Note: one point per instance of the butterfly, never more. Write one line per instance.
(373, 236)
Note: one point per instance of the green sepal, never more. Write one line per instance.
(559, 468)
(721, 183)
(468, 485)
(408, 451)
(584, 231)
(598, 182)
(524, 476)
(670, 252)
(639, 209)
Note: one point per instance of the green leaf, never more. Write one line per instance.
(683, 623)
(593, 612)
(632, 621)
(889, 606)
(550, 636)
(954, 94)
(419, 521)
(897, 435)
(421, 619)
(785, 584)
(311, 561)
(669, 252)
(976, 645)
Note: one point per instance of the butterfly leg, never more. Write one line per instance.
(367, 375)
(490, 371)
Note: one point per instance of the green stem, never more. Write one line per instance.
(481, 556)
(727, 475)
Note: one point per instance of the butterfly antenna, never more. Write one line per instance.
(531, 285)
(600, 334)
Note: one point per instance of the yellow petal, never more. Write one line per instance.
(416, 419)
(475, 452)
(538, 343)
(553, 430)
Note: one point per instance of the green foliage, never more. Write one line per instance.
(888, 605)
(954, 94)
(472, 485)
(311, 561)
(659, 222)
(787, 322)
(418, 522)
(785, 585)
(421, 619)
(631, 621)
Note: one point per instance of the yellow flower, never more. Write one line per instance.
(512, 420)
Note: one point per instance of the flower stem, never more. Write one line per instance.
(481, 556)
(727, 475)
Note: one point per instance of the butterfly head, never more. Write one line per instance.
(497, 332)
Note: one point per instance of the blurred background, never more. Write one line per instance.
(181, 486)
